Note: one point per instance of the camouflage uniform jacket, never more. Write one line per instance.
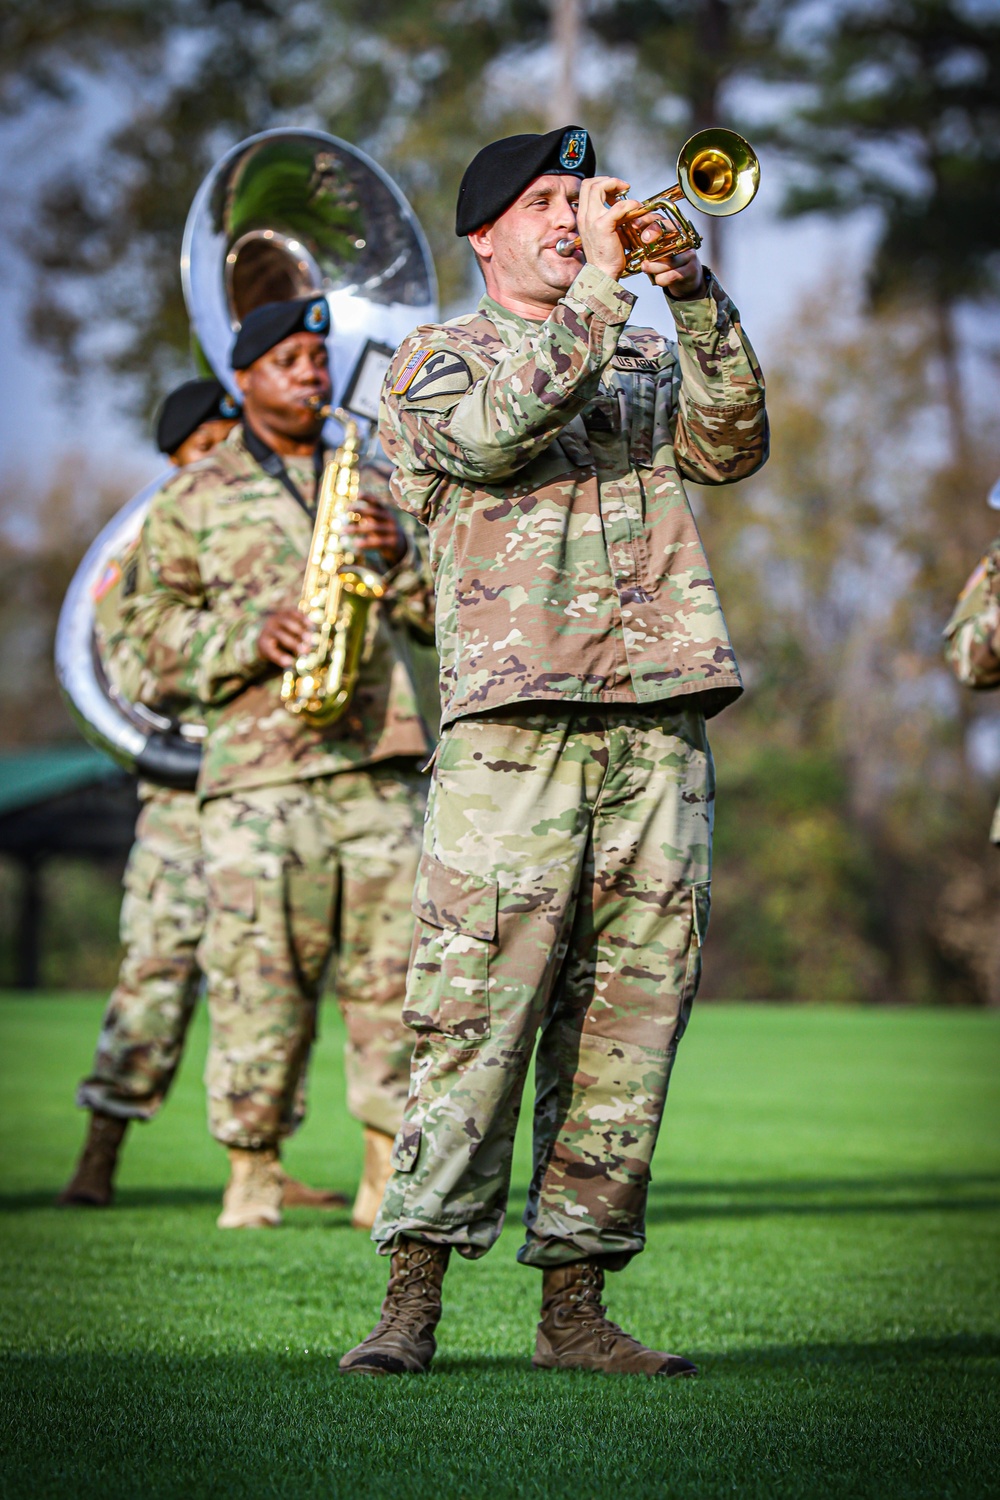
(223, 545)
(123, 664)
(546, 460)
(972, 635)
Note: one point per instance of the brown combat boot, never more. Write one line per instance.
(92, 1184)
(252, 1199)
(374, 1175)
(296, 1194)
(575, 1333)
(402, 1341)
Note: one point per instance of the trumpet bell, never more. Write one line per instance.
(718, 172)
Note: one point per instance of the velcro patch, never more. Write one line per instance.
(443, 374)
(409, 370)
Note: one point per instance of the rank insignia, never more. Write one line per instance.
(112, 573)
(573, 150)
(317, 317)
(409, 370)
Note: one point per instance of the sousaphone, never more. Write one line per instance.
(282, 214)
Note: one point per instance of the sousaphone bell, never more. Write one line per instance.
(281, 215)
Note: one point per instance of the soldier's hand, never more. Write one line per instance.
(284, 636)
(681, 275)
(596, 219)
(377, 529)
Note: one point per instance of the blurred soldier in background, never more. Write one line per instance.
(972, 635)
(564, 886)
(163, 913)
(311, 834)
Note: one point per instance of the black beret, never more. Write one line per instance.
(185, 409)
(501, 171)
(267, 325)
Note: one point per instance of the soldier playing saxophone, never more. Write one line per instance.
(311, 832)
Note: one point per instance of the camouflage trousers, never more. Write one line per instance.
(300, 876)
(563, 889)
(162, 919)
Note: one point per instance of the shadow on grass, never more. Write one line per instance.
(161, 1198)
(905, 1193)
(669, 1202)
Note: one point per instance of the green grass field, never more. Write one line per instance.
(823, 1238)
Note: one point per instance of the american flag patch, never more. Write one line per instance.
(112, 573)
(410, 369)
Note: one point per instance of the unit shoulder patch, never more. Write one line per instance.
(431, 375)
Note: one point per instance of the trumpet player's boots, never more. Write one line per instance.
(252, 1199)
(93, 1183)
(402, 1341)
(375, 1174)
(576, 1334)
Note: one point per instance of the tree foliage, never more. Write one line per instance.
(903, 115)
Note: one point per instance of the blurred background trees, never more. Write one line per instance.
(856, 778)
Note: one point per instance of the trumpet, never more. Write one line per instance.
(717, 172)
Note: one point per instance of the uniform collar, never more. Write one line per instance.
(509, 325)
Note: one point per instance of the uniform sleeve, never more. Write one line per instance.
(720, 432)
(972, 635)
(410, 601)
(444, 411)
(187, 650)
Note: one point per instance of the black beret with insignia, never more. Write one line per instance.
(501, 171)
(186, 408)
(267, 325)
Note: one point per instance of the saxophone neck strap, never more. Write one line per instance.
(273, 464)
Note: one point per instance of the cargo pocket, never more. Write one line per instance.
(309, 909)
(701, 902)
(231, 890)
(142, 871)
(137, 922)
(406, 1148)
(448, 986)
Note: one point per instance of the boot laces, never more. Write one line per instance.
(588, 1309)
(410, 1288)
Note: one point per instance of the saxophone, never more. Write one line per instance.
(337, 592)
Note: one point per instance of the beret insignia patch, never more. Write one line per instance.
(228, 407)
(443, 374)
(572, 150)
(317, 317)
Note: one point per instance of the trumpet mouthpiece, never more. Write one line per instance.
(568, 247)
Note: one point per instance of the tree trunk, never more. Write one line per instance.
(564, 31)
